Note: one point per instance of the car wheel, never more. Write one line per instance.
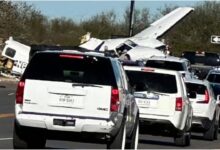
(24, 138)
(210, 133)
(19, 141)
(118, 142)
(183, 139)
(132, 142)
(216, 131)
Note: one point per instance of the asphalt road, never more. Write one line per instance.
(7, 96)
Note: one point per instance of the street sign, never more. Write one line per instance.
(215, 39)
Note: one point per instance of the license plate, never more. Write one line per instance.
(63, 122)
(147, 103)
(68, 101)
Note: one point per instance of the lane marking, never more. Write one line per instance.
(11, 115)
(11, 94)
(5, 139)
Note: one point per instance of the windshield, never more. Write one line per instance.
(149, 81)
(177, 66)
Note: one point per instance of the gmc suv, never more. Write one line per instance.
(73, 95)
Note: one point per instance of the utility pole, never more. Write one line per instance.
(131, 19)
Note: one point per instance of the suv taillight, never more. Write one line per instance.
(114, 100)
(179, 104)
(206, 98)
(20, 92)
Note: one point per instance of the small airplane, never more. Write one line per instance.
(18, 53)
(142, 45)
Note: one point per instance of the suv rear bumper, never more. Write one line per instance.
(201, 122)
(80, 125)
(176, 121)
(158, 127)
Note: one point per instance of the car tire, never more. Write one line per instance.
(24, 138)
(19, 141)
(118, 142)
(210, 133)
(184, 139)
(132, 142)
(216, 131)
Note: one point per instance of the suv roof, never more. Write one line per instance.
(168, 58)
(69, 49)
(150, 69)
(196, 81)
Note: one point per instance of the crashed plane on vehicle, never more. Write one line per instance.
(144, 44)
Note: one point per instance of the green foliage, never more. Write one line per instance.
(194, 33)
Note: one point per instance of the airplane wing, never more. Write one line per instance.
(92, 44)
(159, 27)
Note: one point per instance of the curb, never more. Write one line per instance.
(2, 79)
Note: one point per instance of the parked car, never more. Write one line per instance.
(205, 108)
(72, 95)
(164, 106)
(171, 63)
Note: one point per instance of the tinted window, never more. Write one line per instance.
(214, 78)
(190, 56)
(149, 81)
(210, 59)
(177, 66)
(216, 89)
(198, 88)
(52, 67)
(10, 52)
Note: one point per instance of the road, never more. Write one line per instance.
(7, 97)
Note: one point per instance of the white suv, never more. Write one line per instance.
(205, 108)
(171, 63)
(164, 106)
(79, 96)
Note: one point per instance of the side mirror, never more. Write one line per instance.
(191, 94)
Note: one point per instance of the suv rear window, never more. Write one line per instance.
(198, 88)
(177, 66)
(52, 67)
(147, 81)
(214, 78)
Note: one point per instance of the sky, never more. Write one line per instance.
(83, 10)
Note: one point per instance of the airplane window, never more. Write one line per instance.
(130, 43)
(10, 52)
(122, 49)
